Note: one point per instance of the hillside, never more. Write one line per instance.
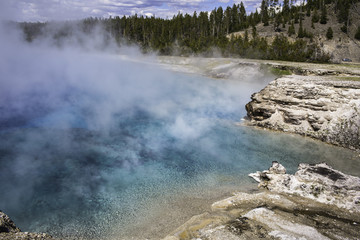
(342, 45)
(280, 31)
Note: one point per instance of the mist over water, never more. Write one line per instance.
(96, 145)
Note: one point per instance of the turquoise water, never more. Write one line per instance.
(122, 155)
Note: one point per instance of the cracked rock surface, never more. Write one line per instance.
(324, 108)
(288, 207)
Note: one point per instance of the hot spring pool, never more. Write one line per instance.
(121, 151)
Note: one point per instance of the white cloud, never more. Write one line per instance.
(45, 10)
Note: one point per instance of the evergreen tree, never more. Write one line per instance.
(308, 13)
(277, 21)
(257, 17)
(242, 16)
(264, 13)
(254, 33)
(286, 7)
(301, 32)
(227, 19)
(344, 28)
(235, 20)
(296, 16)
(198, 33)
(315, 17)
(286, 10)
(329, 33)
(246, 37)
(291, 29)
(357, 34)
(343, 7)
(323, 17)
(219, 18)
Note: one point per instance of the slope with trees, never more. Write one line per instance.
(280, 31)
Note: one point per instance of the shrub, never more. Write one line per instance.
(344, 29)
(357, 34)
(329, 33)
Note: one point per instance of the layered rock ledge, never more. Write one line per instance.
(317, 202)
(9, 231)
(325, 108)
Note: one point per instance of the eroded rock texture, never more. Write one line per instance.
(9, 231)
(324, 108)
(318, 182)
(318, 202)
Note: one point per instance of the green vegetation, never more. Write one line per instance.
(357, 34)
(201, 33)
(323, 17)
(280, 72)
(349, 78)
(329, 33)
(291, 30)
(315, 18)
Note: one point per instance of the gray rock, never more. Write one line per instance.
(9, 231)
(7, 225)
(288, 211)
(318, 182)
(277, 168)
(319, 107)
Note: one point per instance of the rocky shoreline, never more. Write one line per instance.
(9, 231)
(317, 202)
(323, 107)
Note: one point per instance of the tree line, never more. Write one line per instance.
(201, 33)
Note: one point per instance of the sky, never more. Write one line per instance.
(47, 10)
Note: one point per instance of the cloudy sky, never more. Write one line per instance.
(44, 10)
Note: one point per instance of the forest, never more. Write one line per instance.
(204, 32)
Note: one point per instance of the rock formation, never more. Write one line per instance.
(321, 107)
(9, 231)
(318, 182)
(317, 202)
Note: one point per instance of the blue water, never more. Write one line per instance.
(113, 159)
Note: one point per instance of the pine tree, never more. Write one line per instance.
(242, 16)
(296, 17)
(323, 17)
(357, 34)
(235, 21)
(254, 33)
(329, 33)
(227, 19)
(301, 32)
(246, 37)
(291, 29)
(308, 13)
(343, 7)
(286, 10)
(264, 13)
(315, 17)
(344, 28)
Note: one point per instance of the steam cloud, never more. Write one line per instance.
(77, 118)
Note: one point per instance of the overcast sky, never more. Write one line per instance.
(45, 10)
